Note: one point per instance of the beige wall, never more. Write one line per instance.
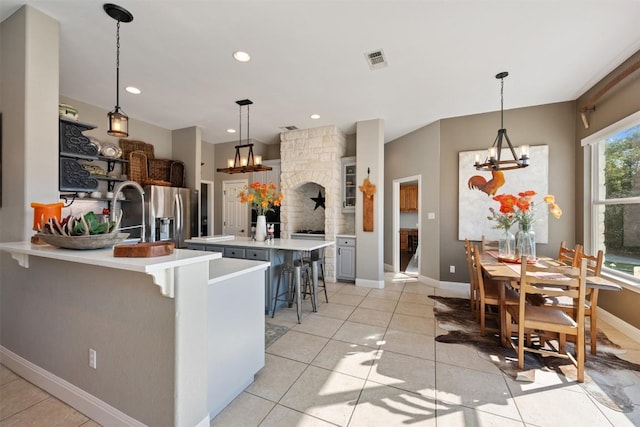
(552, 125)
(417, 153)
(620, 102)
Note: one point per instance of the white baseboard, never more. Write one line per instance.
(77, 398)
(388, 267)
(456, 288)
(619, 324)
(376, 284)
(205, 422)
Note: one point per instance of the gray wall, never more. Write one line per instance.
(29, 98)
(59, 310)
(187, 147)
(552, 125)
(620, 102)
(159, 137)
(417, 153)
(208, 159)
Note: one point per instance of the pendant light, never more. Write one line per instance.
(250, 163)
(494, 161)
(118, 120)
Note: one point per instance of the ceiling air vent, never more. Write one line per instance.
(376, 59)
(288, 128)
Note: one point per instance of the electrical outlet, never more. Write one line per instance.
(93, 358)
(452, 269)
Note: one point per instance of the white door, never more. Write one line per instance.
(235, 215)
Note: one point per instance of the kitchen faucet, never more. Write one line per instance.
(117, 191)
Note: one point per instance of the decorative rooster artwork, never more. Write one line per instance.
(478, 182)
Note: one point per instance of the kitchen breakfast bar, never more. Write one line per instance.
(162, 341)
(279, 252)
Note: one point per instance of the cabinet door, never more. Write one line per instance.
(349, 185)
(346, 268)
(411, 202)
(403, 240)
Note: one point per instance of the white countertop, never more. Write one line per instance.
(350, 236)
(226, 268)
(104, 257)
(283, 244)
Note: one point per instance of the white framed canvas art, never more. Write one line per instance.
(474, 201)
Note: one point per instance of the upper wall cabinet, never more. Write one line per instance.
(409, 198)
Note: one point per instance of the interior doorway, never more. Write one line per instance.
(407, 208)
(206, 208)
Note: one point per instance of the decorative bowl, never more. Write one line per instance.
(95, 241)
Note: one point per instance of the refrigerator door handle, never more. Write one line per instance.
(177, 236)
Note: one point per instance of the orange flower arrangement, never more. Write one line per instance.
(520, 209)
(263, 197)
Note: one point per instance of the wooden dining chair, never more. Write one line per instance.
(489, 295)
(489, 245)
(473, 286)
(552, 323)
(594, 268)
(568, 256)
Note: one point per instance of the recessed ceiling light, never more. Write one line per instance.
(241, 56)
(133, 90)
(231, 131)
(315, 116)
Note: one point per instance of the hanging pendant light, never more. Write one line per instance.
(250, 163)
(118, 120)
(494, 161)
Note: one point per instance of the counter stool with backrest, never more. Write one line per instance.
(316, 258)
(289, 294)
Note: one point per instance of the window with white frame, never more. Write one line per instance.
(612, 223)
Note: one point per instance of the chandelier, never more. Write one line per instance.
(250, 163)
(118, 120)
(493, 160)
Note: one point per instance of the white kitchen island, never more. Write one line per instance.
(277, 251)
(157, 325)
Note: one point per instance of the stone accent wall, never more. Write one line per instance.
(312, 156)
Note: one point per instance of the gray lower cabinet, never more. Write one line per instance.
(271, 273)
(346, 258)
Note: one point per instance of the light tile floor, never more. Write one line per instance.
(369, 359)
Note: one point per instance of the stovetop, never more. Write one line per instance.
(310, 231)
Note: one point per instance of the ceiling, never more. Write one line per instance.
(308, 56)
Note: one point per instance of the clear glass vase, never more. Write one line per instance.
(526, 242)
(507, 244)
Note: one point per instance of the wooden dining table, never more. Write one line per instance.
(509, 273)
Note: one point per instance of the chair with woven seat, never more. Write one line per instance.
(145, 169)
(549, 322)
(489, 294)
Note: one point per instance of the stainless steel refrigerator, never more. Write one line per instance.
(171, 213)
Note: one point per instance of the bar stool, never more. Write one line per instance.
(316, 260)
(290, 295)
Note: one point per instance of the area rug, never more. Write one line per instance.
(607, 377)
(273, 332)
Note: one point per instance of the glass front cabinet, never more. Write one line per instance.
(349, 186)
